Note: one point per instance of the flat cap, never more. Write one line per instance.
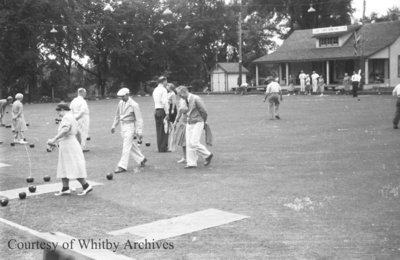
(122, 92)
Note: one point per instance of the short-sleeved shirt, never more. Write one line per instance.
(79, 105)
(273, 87)
(356, 78)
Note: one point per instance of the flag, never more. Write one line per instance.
(357, 38)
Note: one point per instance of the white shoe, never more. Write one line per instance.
(66, 192)
(183, 160)
(86, 191)
(22, 142)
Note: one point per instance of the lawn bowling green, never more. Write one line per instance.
(310, 189)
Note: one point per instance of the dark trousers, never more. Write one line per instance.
(162, 137)
(396, 118)
(355, 88)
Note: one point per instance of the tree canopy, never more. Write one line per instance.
(43, 43)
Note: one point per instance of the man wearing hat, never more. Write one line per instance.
(160, 97)
(129, 115)
(80, 110)
(3, 105)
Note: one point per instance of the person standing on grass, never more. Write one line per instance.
(396, 93)
(180, 127)
(314, 77)
(272, 93)
(196, 121)
(302, 78)
(80, 111)
(160, 97)
(3, 105)
(71, 162)
(18, 124)
(129, 115)
(355, 82)
(308, 84)
(346, 83)
(291, 86)
(321, 85)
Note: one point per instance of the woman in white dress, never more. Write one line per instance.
(71, 162)
(180, 127)
(18, 120)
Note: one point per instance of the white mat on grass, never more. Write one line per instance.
(167, 228)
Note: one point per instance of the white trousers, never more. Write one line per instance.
(83, 128)
(129, 146)
(193, 145)
(302, 85)
(314, 86)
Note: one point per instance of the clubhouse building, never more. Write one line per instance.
(333, 51)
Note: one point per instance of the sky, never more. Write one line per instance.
(378, 6)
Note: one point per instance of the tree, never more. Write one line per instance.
(327, 13)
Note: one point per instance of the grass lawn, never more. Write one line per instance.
(322, 183)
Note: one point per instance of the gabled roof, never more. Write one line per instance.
(230, 67)
(301, 46)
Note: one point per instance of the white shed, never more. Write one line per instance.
(224, 76)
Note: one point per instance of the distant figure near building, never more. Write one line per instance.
(3, 105)
(302, 78)
(80, 110)
(346, 83)
(355, 82)
(308, 84)
(160, 97)
(291, 85)
(396, 93)
(273, 93)
(321, 85)
(314, 77)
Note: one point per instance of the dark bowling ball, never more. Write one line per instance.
(139, 141)
(46, 178)
(109, 176)
(88, 139)
(29, 179)
(8, 126)
(32, 188)
(4, 202)
(22, 195)
(27, 124)
(32, 145)
(135, 137)
(12, 144)
(147, 144)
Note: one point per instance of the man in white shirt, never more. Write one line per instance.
(272, 93)
(396, 93)
(80, 111)
(302, 78)
(355, 82)
(129, 115)
(314, 77)
(160, 97)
